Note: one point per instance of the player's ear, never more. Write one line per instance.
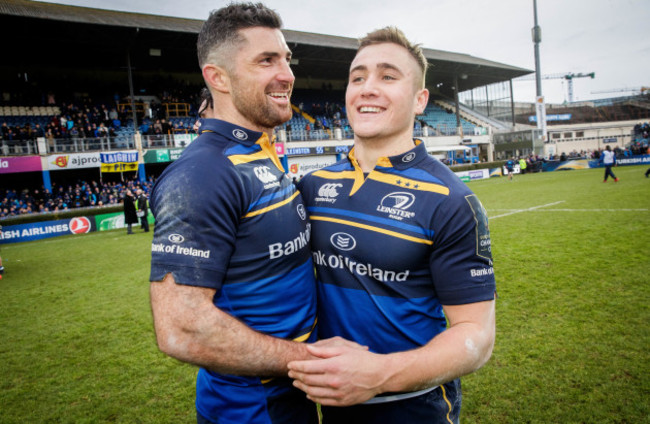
(421, 101)
(216, 77)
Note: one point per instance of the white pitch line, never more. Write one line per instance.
(595, 210)
(525, 210)
(575, 210)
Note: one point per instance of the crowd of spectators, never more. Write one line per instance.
(64, 197)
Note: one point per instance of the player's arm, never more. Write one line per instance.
(346, 376)
(190, 328)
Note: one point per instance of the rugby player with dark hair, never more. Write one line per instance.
(232, 279)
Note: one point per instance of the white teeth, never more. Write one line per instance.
(365, 109)
(280, 95)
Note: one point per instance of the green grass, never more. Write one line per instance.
(77, 343)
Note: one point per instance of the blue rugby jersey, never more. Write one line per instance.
(392, 248)
(228, 218)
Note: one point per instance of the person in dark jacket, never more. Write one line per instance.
(143, 209)
(130, 217)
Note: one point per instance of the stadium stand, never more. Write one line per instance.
(64, 197)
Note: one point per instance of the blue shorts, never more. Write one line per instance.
(441, 405)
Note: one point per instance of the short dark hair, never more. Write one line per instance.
(391, 34)
(222, 26)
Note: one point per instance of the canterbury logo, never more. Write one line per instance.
(264, 175)
(329, 190)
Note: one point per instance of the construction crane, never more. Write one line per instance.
(568, 76)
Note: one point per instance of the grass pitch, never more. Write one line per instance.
(571, 260)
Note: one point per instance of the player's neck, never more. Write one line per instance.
(368, 151)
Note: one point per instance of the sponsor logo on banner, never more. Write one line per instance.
(80, 225)
(46, 229)
(279, 149)
(293, 168)
(20, 164)
(74, 161)
(61, 161)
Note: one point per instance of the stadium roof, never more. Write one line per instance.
(43, 31)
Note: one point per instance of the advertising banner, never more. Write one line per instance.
(20, 164)
(113, 221)
(182, 140)
(119, 161)
(477, 174)
(110, 221)
(162, 155)
(279, 149)
(46, 229)
(73, 161)
(119, 167)
(300, 166)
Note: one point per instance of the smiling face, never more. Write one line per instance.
(383, 94)
(260, 80)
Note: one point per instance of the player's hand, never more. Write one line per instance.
(345, 374)
(339, 341)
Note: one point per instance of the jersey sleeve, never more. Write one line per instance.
(461, 260)
(197, 210)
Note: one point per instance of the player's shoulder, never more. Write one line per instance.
(441, 173)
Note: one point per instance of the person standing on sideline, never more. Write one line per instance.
(401, 245)
(510, 167)
(232, 279)
(522, 165)
(142, 204)
(608, 158)
(130, 215)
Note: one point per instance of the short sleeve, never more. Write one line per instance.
(461, 260)
(197, 207)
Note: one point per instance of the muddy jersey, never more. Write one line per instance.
(392, 247)
(228, 218)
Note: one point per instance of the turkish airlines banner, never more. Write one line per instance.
(40, 230)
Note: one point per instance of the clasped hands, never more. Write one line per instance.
(341, 372)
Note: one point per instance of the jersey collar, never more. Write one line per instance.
(402, 161)
(231, 131)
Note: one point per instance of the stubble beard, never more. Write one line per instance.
(257, 108)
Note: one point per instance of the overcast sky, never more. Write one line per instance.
(608, 37)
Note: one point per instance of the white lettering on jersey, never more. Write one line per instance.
(327, 192)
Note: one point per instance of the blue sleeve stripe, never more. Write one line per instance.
(365, 217)
(273, 206)
(267, 199)
(417, 174)
(372, 228)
